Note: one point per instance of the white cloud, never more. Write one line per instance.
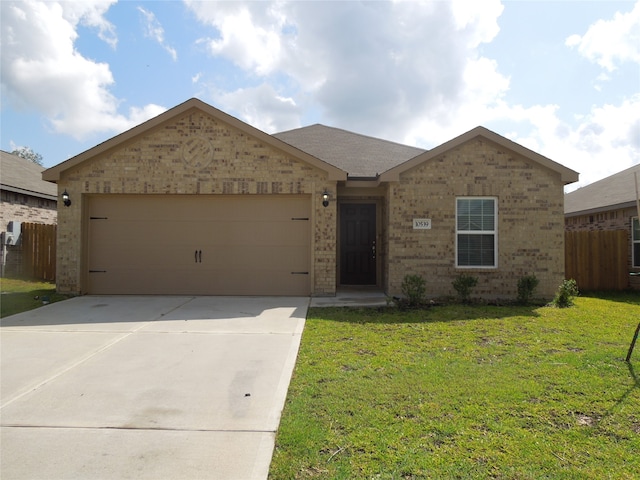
(610, 43)
(91, 13)
(479, 17)
(261, 107)
(249, 34)
(414, 72)
(43, 71)
(154, 30)
(360, 62)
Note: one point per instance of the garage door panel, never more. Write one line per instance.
(250, 245)
(276, 233)
(223, 281)
(258, 257)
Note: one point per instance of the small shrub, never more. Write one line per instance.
(526, 286)
(414, 289)
(567, 290)
(463, 285)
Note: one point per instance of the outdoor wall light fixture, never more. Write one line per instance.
(325, 199)
(65, 198)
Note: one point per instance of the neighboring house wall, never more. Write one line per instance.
(151, 164)
(26, 209)
(24, 198)
(614, 219)
(18, 207)
(529, 211)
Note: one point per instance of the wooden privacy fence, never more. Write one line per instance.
(39, 251)
(597, 260)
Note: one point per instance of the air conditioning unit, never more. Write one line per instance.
(12, 236)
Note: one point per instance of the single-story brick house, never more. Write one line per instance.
(195, 201)
(609, 204)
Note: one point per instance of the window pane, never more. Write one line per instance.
(636, 254)
(476, 215)
(488, 206)
(636, 230)
(476, 250)
(463, 250)
(463, 222)
(487, 257)
(463, 206)
(488, 222)
(475, 222)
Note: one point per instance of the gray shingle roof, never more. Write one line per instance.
(615, 191)
(23, 176)
(358, 155)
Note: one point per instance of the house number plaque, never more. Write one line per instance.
(422, 224)
(197, 152)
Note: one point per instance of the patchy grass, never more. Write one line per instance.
(22, 295)
(465, 392)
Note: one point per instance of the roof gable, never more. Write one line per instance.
(53, 173)
(567, 175)
(359, 155)
(23, 176)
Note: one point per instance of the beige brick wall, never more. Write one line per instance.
(26, 209)
(154, 164)
(530, 221)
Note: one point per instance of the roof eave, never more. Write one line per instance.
(31, 193)
(606, 208)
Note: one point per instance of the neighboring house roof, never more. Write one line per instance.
(334, 173)
(23, 176)
(359, 155)
(616, 191)
(567, 175)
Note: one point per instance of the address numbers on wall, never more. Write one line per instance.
(422, 224)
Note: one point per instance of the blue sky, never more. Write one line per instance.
(559, 77)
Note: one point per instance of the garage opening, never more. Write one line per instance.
(199, 244)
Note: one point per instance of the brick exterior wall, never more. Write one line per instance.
(26, 209)
(18, 207)
(617, 219)
(530, 221)
(155, 163)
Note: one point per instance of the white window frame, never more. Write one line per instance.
(493, 232)
(635, 262)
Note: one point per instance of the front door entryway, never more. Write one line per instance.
(358, 244)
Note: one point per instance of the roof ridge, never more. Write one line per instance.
(371, 137)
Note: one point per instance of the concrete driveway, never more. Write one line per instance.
(146, 387)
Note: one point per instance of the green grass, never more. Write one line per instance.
(22, 295)
(465, 392)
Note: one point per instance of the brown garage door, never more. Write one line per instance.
(199, 244)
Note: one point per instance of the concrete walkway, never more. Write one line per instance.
(353, 297)
(146, 387)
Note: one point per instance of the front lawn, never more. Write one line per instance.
(465, 392)
(22, 295)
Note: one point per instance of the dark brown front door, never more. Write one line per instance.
(358, 244)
